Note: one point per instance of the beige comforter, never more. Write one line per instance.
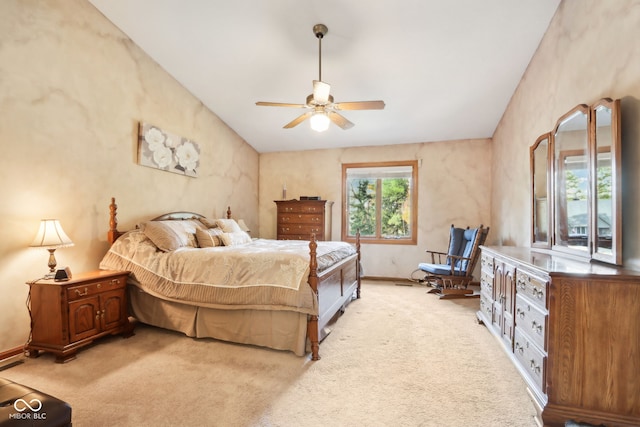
(263, 274)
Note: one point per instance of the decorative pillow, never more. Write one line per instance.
(208, 222)
(235, 238)
(209, 238)
(171, 235)
(229, 225)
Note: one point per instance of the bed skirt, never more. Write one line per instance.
(280, 330)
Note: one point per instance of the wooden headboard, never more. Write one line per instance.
(114, 233)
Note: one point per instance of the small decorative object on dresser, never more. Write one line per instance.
(298, 219)
(68, 315)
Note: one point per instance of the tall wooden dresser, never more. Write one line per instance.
(298, 219)
(572, 329)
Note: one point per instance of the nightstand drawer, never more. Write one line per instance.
(94, 288)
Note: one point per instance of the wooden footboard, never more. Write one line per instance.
(334, 287)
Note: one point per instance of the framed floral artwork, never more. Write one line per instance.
(163, 150)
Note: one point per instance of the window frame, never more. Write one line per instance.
(413, 195)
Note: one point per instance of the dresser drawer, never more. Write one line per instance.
(486, 306)
(301, 218)
(486, 262)
(486, 282)
(300, 229)
(319, 236)
(532, 321)
(94, 288)
(531, 358)
(533, 287)
(301, 208)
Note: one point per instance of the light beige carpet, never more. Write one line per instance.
(397, 357)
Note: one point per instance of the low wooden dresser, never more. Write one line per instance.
(71, 314)
(572, 329)
(298, 219)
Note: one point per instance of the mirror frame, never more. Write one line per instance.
(557, 174)
(593, 251)
(614, 256)
(535, 211)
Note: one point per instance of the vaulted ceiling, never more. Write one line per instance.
(446, 69)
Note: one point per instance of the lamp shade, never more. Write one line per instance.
(319, 122)
(51, 235)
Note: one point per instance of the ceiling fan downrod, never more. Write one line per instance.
(320, 30)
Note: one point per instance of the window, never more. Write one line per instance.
(380, 200)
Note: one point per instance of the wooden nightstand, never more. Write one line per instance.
(68, 315)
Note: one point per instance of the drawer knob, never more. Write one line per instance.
(535, 368)
(519, 348)
(536, 327)
(81, 294)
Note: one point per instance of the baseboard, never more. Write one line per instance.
(11, 358)
(387, 279)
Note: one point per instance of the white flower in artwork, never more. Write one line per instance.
(155, 138)
(171, 142)
(162, 156)
(187, 156)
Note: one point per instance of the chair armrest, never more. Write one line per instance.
(438, 254)
(454, 261)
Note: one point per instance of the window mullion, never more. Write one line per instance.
(379, 208)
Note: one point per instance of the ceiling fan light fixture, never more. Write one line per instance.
(319, 122)
(322, 111)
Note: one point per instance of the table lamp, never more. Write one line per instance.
(51, 236)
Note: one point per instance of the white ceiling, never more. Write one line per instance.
(446, 69)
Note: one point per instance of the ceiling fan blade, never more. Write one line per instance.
(360, 105)
(340, 120)
(321, 92)
(298, 120)
(280, 104)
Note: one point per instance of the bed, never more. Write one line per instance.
(204, 278)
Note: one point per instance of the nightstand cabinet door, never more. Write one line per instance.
(68, 315)
(84, 318)
(113, 310)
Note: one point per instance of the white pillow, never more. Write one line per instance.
(170, 235)
(235, 238)
(228, 225)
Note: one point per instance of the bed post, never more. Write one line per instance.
(113, 232)
(228, 212)
(312, 323)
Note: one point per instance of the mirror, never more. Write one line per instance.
(583, 176)
(541, 209)
(605, 128)
(572, 226)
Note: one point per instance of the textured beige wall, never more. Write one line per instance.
(591, 50)
(454, 187)
(73, 89)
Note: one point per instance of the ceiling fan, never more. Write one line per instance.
(322, 109)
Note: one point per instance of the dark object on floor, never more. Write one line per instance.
(21, 406)
(572, 423)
